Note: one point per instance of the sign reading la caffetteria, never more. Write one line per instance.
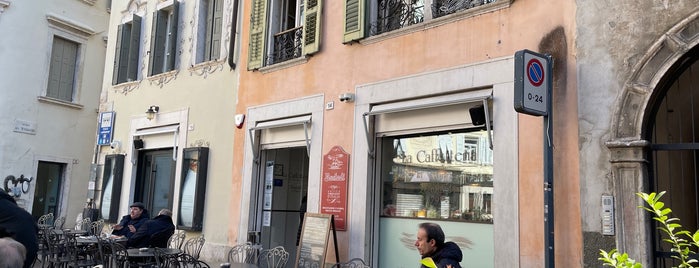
(532, 82)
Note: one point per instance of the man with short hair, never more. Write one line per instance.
(154, 233)
(129, 224)
(17, 223)
(434, 251)
(12, 253)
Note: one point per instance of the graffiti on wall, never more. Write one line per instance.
(17, 186)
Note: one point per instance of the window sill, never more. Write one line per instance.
(285, 64)
(45, 99)
(163, 78)
(465, 14)
(207, 67)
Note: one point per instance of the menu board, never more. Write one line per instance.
(333, 192)
(314, 240)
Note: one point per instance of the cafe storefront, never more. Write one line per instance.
(437, 152)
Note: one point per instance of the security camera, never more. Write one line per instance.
(115, 145)
(347, 97)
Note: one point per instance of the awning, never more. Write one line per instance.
(278, 123)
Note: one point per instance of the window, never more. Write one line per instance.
(209, 31)
(388, 15)
(439, 176)
(64, 57)
(128, 47)
(163, 46)
(284, 30)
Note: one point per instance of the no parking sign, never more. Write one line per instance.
(532, 82)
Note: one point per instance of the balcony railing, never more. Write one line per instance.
(287, 45)
(395, 14)
(446, 7)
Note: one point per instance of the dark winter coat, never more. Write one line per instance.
(447, 254)
(20, 225)
(126, 221)
(154, 233)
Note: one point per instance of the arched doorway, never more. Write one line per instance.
(646, 151)
(673, 132)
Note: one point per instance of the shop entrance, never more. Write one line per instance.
(49, 178)
(280, 192)
(155, 181)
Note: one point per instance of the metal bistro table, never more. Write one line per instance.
(149, 252)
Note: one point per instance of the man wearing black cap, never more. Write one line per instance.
(128, 225)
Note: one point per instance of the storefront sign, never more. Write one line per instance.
(333, 199)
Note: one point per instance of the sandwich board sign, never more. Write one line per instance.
(532, 82)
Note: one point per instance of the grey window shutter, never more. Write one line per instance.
(134, 47)
(172, 36)
(209, 29)
(311, 26)
(68, 65)
(258, 24)
(354, 21)
(118, 59)
(216, 30)
(157, 34)
(55, 68)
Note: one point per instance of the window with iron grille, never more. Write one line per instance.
(281, 30)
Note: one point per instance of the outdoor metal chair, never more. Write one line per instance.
(58, 223)
(273, 258)
(243, 253)
(193, 246)
(353, 263)
(96, 227)
(176, 240)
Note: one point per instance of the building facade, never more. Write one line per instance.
(391, 113)
(52, 61)
(636, 81)
(167, 110)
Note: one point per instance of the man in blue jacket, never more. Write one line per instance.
(17, 223)
(430, 243)
(138, 214)
(154, 233)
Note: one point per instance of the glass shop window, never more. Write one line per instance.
(445, 176)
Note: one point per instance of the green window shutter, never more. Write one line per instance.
(122, 50)
(134, 47)
(216, 30)
(354, 20)
(157, 42)
(172, 36)
(209, 29)
(258, 24)
(311, 26)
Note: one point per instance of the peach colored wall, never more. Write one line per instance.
(339, 68)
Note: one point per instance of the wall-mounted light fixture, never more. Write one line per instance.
(152, 111)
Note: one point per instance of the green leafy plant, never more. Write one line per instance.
(681, 240)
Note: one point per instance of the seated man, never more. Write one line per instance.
(154, 233)
(129, 224)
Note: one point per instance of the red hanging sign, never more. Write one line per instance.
(333, 195)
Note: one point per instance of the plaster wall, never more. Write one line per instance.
(64, 132)
(339, 68)
(198, 97)
(612, 37)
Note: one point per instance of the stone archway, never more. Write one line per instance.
(626, 145)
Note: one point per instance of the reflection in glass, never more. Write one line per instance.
(441, 176)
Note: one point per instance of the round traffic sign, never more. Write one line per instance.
(535, 72)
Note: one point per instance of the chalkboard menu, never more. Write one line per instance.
(314, 240)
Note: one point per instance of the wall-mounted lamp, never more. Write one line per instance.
(152, 111)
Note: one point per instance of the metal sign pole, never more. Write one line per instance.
(548, 174)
